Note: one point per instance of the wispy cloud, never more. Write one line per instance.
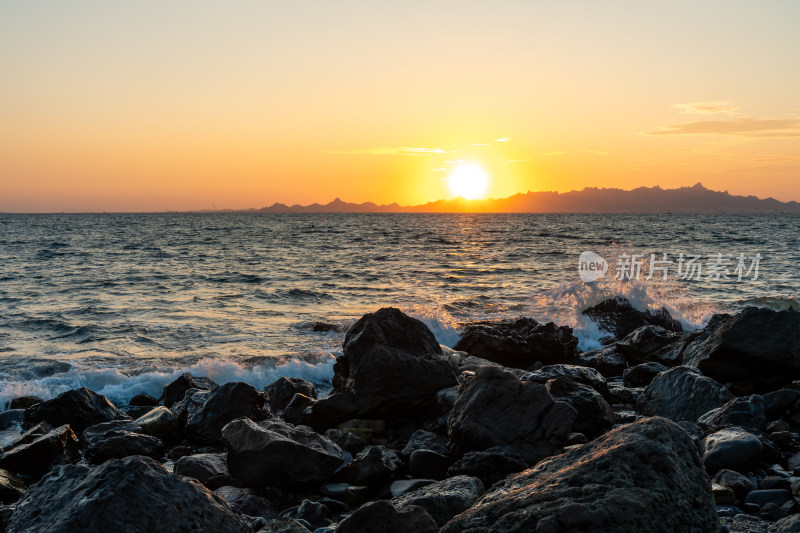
(707, 108)
(439, 169)
(745, 127)
(502, 140)
(390, 150)
(552, 153)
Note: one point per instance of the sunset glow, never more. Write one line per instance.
(469, 181)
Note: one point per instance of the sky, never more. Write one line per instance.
(191, 104)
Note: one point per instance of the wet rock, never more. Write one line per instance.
(317, 513)
(429, 464)
(118, 439)
(11, 418)
(134, 494)
(595, 416)
(330, 411)
(651, 344)
(281, 391)
(621, 395)
(758, 347)
(763, 497)
(220, 406)
(772, 512)
(738, 483)
(99, 431)
(407, 485)
(645, 476)
(722, 495)
(23, 402)
(175, 391)
(245, 501)
(143, 400)
(275, 453)
(392, 365)
(443, 499)
(160, 422)
(80, 408)
(607, 360)
(210, 469)
(382, 517)
(494, 408)
(746, 412)
(284, 525)
(373, 465)
(350, 442)
(33, 459)
(520, 343)
(642, 375)
(11, 487)
(619, 317)
(682, 393)
(580, 374)
(296, 410)
(490, 466)
(731, 448)
(425, 440)
(778, 403)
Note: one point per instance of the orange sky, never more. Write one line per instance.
(150, 106)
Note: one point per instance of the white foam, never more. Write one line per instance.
(441, 323)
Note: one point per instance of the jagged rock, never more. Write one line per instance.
(23, 402)
(777, 403)
(651, 344)
(790, 524)
(490, 466)
(159, 422)
(425, 440)
(220, 406)
(210, 469)
(280, 391)
(33, 459)
(622, 395)
(429, 464)
(118, 439)
(296, 410)
(645, 476)
(619, 317)
(246, 501)
(520, 343)
(731, 448)
(98, 431)
(756, 347)
(11, 418)
(587, 376)
(330, 411)
(443, 499)
(642, 375)
(606, 360)
(11, 487)
(494, 408)
(382, 517)
(175, 391)
(373, 465)
(143, 400)
(595, 416)
(284, 525)
(392, 364)
(134, 494)
(682, 393)
(350, 442)
(273, 452)
(318, 513)
(80, 408)
(407, 485)
(746, 412)
(738, 483)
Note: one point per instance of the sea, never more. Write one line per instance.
(124, 303)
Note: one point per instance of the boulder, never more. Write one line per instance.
(118, 439)
(494, 408)
(606, 360)
(407, 485)
(33, 459)
(372, 466)
(651, 344)
(280, 391)
(757, 347)
(645, 476)
(175, 391)
(778, 403)
(682, 393)
(619, 317)
(142, 400)
(101, 430)
(210, 469)
(443, 499)
(349, 442)
(275, 453)
(425, 440)
(245, 501)
(736, 482)
(284, 525)
(382, 517)
(581, 374)
(520, 343)
(392, 365)
(80, 408)
(228, 402)
(429, 464)
(11, 418)
(790, 524)
(160, 422)
(747, 412)
(328, 412)
(642, 375)
(595, 416)
(23, 402)
(490, 466)
(295, 412)
(732, 448)
(317, 513)
(134, 494)
(11, 487)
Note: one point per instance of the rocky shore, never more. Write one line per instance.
(513, 430)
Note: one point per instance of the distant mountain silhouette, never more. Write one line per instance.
(696, 199)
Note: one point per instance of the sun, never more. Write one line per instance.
(469, 181)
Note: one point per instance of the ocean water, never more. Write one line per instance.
(122, 303)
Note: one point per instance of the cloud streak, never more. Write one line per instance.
(390, 150)
(707, 108)
(745, 127)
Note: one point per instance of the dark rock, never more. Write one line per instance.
(99, 431)
(5, 515)
(11, 487)
(134, 494)
(772, 512)
(284, 525)
(204, 467)
(276, 453)
(790, 524)
(118, 439)
(607, 360)
(619, 317)
(595, 416)
(621, 395)
(777, 403)
(651, 344)
(682, 393)
(644, 476)
(642, 375)
(42, 428)
(746, 412)
(245, 501)
(490, 466)
(175, 391)
(722, 495)
(296, 410)
(494, 408)
(520, 343)
(731, 448)
(160, 422)
(576, 438)
(738, 483)
(350, 442)
(33, 459)
(392, 364)
(762, 497)
(80, 408)
(587, 376)
(220, 406)
(372, 466)
(774, 482)
(143, 400)
(11, 418)
(425, 440)
(330, 411)
(759, 347)
(407, 485)
(382, 517)
(429, 464)
(23, 402)
(318, 513)
(280, 391)
(443, 499)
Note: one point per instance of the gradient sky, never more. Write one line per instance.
(140, 106)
